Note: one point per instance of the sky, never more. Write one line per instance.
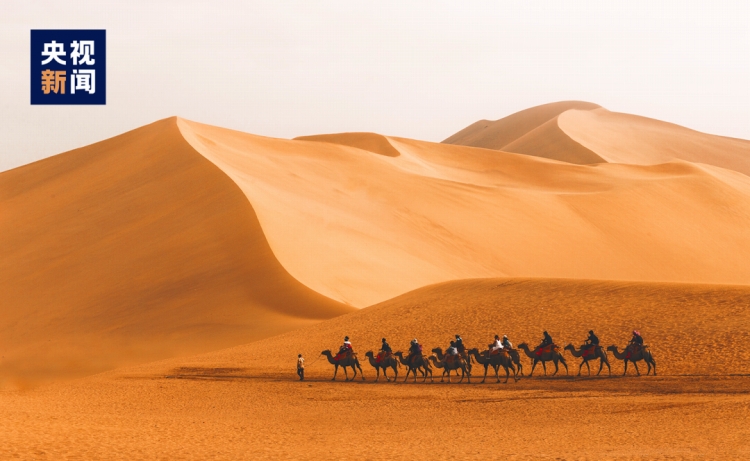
(416, 69)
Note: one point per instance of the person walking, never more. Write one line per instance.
(300, 367)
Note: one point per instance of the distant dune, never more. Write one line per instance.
(584, 133)
(134, 249)
(361, 227)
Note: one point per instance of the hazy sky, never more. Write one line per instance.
(419, 69)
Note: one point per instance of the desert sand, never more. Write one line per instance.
(189, 264)
(134, 249)
(244, 402)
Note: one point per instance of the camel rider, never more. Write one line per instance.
(506, 343)
(452, 350)
(347, 346)
(385, 347)
(415, 348)
(637, 341)
(496, 346)
(385, 351)
(592, 340)
(460, 344)
(547, 340)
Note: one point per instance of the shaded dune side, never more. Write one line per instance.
(498, 134)
(549, 141)
(371, 142)
(681, 323)
(133, 249)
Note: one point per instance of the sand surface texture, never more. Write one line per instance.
(244, 402)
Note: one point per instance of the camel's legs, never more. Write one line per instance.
(346, 373)
(626, 368)
(533, 365)
(556, 367)
(544, 365)
(635, 364)
(587, 367)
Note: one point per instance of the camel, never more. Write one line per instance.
(643, 354)
(597, 354)
(388, 362)
(496, 361)
(447, 367)
(554, 356)
(349, 361)
(417, 363)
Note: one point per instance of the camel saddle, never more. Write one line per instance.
(546, 349)
(452, 358)
(634, 349)
(382, 356)
(497, 352)
(588, 350)
(342, 355)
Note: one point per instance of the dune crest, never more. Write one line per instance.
(361, 228)
(132, 249)
(372, 142)
(584, 133)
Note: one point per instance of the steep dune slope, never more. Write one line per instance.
(499, 133)
(625, 138)
(361, 227)
(132, 249)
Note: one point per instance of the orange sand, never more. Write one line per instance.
(134, 249)
(584, 133)
(179, 238)
(244, 402)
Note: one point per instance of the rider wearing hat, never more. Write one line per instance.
(347, 346)
(460, 344)
(506, 343)
(415, 348)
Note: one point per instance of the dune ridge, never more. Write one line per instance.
(585, 134)
(133, 249)
(361, 227)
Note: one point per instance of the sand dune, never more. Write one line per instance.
(133, 249)
(625, 138)
(691, 329)
(372, 142)
(138, 247)
(244, 402)
(361, 227)
(499, 133)
(584, 133)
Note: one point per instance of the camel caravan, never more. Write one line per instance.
(500, 354)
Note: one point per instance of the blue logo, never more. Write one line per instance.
(69, 66)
